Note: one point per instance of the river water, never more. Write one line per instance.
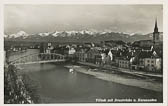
(58, 85)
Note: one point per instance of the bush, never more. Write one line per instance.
(15, 89)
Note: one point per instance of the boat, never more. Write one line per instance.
(71, 70)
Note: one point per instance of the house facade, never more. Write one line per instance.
(149, 61)
(152, 64)
(81, 55)
(92, 54)
(124, 63)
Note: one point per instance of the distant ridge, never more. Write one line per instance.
(78, 36)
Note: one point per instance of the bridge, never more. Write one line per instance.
(38, 58)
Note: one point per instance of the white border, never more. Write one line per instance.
(1, 55)
(84, 1)
(122, 2)
(165, 51)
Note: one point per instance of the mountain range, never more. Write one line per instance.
(78, 36)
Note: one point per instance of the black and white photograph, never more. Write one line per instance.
(83, 53)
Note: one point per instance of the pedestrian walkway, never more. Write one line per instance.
(123, 70)
(140, 72)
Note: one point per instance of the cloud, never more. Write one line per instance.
(48, 17)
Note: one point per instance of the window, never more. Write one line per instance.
(152, 61)
(148, 64)
(148, 61)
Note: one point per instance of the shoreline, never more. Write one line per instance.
(116, 78)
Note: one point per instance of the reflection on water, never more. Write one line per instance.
(57, 84)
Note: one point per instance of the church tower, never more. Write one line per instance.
(156, 38)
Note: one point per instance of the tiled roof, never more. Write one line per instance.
(93, 50)
(147, 54)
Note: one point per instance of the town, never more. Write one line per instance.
(141, 55)
(83, 53)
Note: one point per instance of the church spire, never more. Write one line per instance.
(156, 27)
(156, 35)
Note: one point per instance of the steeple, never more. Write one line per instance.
(156, 35)
(156, 27)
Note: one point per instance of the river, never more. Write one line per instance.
(58, 85)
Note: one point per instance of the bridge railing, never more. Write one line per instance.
(38, 57)
(22, 57)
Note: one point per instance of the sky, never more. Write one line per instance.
(33, 18)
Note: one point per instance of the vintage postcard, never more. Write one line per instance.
(84, 53)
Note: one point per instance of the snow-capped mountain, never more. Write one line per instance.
(55, 34)
(22, 34)
(79, 36)
(44, 34)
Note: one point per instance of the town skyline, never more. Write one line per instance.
(83, 53)
(99, 18)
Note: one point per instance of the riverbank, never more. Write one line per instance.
(141, 83)
(126, 71)
(18, 88)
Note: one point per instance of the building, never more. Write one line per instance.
(46, 48)
(156, 35)
(153, 64)
(49, 48)
(71, 51)
(98, 59)
(149, 61)
(92, 54)
(143, 43)
(156, 41)
(81, 55)
(124, 63)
